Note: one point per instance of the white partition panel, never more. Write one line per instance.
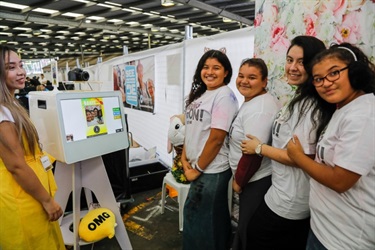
(174, 69)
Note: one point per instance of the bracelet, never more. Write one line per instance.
(198, 168)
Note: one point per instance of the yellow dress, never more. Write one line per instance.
(24, 224)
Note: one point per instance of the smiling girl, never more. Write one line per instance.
(28, 211)
(210, 110)
(342, 195)
(256, 116)
(282, 219)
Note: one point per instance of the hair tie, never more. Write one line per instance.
(341, 47)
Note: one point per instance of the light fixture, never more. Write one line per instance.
(37, 32)
(155, 29)
(167, 3)
(226, 20)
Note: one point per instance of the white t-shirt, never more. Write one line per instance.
(214, 109)
(5, 114)
(288, 196)
(347, 220)
(254, 117)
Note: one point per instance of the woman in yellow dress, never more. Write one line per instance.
(28, 212)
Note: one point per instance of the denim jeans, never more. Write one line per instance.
(207, 222)
(313, 243)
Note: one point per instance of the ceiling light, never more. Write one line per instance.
(116, 4)
(12, 5)
(226, 20)
(26, 35)
(71, 14)
(114, 20)
(135, 8)
(37, 32)
(46, 11)
(96, 18)
(22, 28)
(167, 3)
(129, 10)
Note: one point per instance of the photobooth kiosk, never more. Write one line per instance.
(77, 128)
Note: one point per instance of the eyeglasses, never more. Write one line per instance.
(331, 77)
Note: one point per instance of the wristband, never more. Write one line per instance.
(198, 168)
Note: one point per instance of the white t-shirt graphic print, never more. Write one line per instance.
(214, 109)
(347, 220)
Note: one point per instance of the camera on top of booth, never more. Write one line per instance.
(78, 74)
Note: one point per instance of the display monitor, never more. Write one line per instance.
(74, 126)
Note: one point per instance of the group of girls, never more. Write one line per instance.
(304, 173)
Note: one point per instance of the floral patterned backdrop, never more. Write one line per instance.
(333, 21)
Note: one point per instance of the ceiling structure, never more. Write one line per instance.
(93, 28)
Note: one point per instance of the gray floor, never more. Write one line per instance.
(147, 228)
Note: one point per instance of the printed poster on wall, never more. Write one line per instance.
(135, 80)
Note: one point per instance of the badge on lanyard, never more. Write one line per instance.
(46, 162)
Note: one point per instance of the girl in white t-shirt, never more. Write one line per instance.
(342, 194)
(282, 219)
(210, 110)
(256, 115)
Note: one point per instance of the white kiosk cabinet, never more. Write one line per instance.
(77, 128)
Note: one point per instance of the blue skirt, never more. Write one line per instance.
(207, 222)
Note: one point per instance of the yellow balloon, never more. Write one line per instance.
(97, 224)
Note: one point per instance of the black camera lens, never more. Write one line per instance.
(78, 75)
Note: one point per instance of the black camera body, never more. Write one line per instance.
(78, 75)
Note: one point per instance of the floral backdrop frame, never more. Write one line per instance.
(277, 22)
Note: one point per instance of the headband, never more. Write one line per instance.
(341, 47)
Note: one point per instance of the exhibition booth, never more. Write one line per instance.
(133, 138)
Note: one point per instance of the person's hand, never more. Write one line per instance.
(248, 146)
(53, 209)
(192, 174)
(294, 148)
(236, 187)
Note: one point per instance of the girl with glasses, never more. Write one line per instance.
(342, 194)
(282, 219)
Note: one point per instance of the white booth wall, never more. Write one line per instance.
(174, 69)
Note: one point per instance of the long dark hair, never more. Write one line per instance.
(19, 114)
(306, 95)
(198, 87)
(361, 69)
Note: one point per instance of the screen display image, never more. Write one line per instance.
(90, 117)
